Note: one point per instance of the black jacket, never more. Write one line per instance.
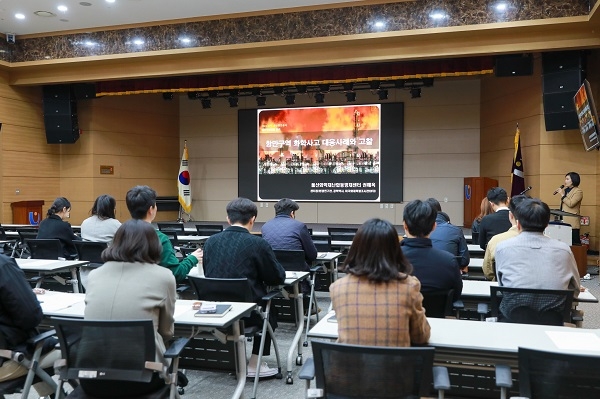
(54, 227)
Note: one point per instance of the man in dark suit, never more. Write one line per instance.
(436, 269)
(498, 221)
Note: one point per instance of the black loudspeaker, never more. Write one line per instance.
(563, 74)
(60, 115)
(83, 91)
(513, 65)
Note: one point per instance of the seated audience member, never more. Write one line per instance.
(496, 222)
(448, 237)
(489, 259)
(102, 225)
(436, 269)
(20, 314)
(485, 210)
(379, 303)
(533, 260)
(56, 226)
(132, 286)
(141, 203)
(236, 253)
(286, 233)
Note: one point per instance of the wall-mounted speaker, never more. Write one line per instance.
(60, 114)
(563, 74)
(513, 65)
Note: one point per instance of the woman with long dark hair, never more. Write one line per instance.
(379, 303)
(56, 226)
(102, 225)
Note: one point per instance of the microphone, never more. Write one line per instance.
(524, 191)
(561, 186)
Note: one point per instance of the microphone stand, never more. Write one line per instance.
(524, 191)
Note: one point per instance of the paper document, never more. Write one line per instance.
(53, 301)
(39, 262)
(577, 341)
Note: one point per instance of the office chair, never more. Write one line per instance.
(294, 261)
(440, 304)
(107, 355)
(172, 234)
(23, 235)
(208, 229)
(44, 248)
(531, 306)
(30, 360)
(553, 375)
(342, 233)
(171, 227)
(11, 245)
(238, 290)
(322, 243)
(346, 371)
(90, 251)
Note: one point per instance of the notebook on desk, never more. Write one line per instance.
(219, 311)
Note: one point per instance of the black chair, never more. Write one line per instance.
(440, 304)
(29, 360)
(171, 227)
(24, 234)
(208, 229)
(44, 248)
(294, 261)
(90, 251)
(531, 306)
(322, 243)
(352, 371)
(238, 290)
(342, 233)
(115, 358)
(172, 234)
(552, 375)
(11, 244)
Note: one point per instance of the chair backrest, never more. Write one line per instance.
(106, 350)
(322, 243)
(90, 250)
(291, 260)
(208, 229)
(354, 371)
(2, 233)
(26, 234)
(438, 304)
(172, 234)
(342, 233)
(531, 306)
(171, 227)
(222, 289)
(551, 375)
(46, 248)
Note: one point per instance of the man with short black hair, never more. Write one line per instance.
(448, 237)
(436, 269)
(496, 222)
(533, 260)
(141, 203)
(236, 253)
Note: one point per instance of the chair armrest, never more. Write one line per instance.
(271, 295)
(41, 337)
(503, 376)
(441, 379)
(176, 347)
(307, 372)
(316, 269)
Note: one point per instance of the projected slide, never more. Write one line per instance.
(320, 153)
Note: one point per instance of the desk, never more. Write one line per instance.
(480, 290)
(192, 239)
(471, 348)
(475, 250)
(293, 279)
(48, 267)
(331, 259)
(60, 304)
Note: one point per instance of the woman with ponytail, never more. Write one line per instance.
(55, 226)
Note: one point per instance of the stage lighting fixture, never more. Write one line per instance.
(278, 90)
(301, 89)
(351, 96)
(319, 98)
(374, 84)
(261, 101)
(415, 92)
(233, 102)
(324, 88)
(348, 86)
(193, 95)
(383, 94)
(290, 99)
(167, 96)
(206, 103)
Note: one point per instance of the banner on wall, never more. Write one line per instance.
(184, 182)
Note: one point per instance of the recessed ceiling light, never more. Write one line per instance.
(379, 24)
(90, 43)
(110, 1)
(185, 40)
(501, 7)
(138, 42)
(44, 14)
(62, 8)
(438, 15)
(19, 16)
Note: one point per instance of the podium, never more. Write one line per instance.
(475, 189)
(27, 212)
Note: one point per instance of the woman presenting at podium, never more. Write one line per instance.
(571, 196)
